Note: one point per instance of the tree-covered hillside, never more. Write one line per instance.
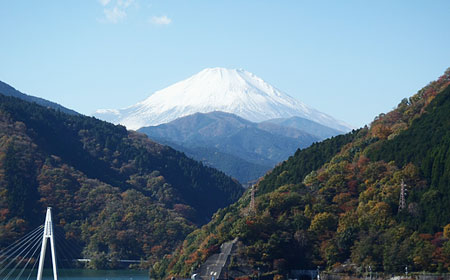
(336, 204)
(114, 192)
(426, 144)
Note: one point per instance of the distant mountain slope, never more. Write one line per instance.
(8, 90)
(233, 91)
(115, 193)
(232, 135)
(236, 167)
(302, 124)
(337, 202)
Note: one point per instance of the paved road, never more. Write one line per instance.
(214, 264)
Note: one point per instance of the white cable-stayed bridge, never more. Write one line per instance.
(24, 259)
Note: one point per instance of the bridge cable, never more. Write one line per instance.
(59, 245)
(34, 265)
(36, 238)
(63, 248)
(20, 240)
(61, 252)
(33, 242)
(18, 245)
(31, 257)
(34, 246)
(69, 246)
(71, 254)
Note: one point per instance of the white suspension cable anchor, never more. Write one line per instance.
(48, 234)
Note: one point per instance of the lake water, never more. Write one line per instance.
(79, 274)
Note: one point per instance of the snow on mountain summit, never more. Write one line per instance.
(234, 91)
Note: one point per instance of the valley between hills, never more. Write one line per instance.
(170, 185)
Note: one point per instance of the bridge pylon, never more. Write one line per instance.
(48, 234)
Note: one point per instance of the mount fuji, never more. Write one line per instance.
(233, 91)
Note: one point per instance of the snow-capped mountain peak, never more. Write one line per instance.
(234, 91)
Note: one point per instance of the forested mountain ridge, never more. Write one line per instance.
(115, 193)
(247, 149)
(302, 124)
(236, 167)
(344, 214)
(8, 90)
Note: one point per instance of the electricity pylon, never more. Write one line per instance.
(402, 200)
(252, 209)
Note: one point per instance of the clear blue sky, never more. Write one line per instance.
(351, 59)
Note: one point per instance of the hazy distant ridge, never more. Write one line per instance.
(253, 147)
(8, 90)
